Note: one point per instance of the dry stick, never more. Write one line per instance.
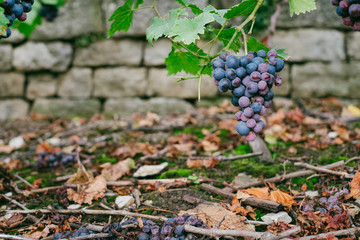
(255, 202)
(87, 211)
(345, 232)
(287, 176)
(91, 236)
(5, 236)
(24, 181)
(324, 170)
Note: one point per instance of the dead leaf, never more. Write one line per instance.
(87, 192)
(113, 172)
(207, 163)
(354, 187)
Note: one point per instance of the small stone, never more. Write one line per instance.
(312, 194)
(149, 170)
(124, 201)
(17, 142)
(74, 206)
(276, 217)
(241, 179)
(332, 134)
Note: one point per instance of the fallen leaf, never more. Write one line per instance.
(354, 187)
(87, 192)
(113, 172)
(207, 163)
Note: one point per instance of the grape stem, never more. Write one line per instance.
(238, 29)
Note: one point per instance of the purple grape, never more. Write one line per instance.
(251, 136)
(272, 53)
(251, 123)
(248, 112)
(255, 76)
(244, 102)
(263, 68)
(242, 129)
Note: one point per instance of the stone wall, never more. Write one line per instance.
(68, 67)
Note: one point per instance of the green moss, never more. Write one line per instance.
(180, 172)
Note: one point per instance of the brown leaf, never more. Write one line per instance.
(113, 172)
(92, 190)
(354, 187)
(207, 163)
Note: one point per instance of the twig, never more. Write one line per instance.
(5, 236)
(235, 233)
(324, 170)
(87, 211)
(24, 181)
(345, 232)
(255, 202)
(90, 236)
(287, 176)
(154, 156)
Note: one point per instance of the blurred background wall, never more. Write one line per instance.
(68, 67)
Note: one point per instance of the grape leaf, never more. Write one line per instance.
(255, 45)
(160, 26)
(243, 8)
(188, 30)
(195, 9)
(217, 14)
(3, 22)
(225, 37)
(122, 18)
(301, 6)
(178, 61)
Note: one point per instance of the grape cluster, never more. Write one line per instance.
(15, 9)
(50, 160)
(327, 204)
(250, 79)
(349, 10)
(172, 229)
(49, 12)
(78, 233)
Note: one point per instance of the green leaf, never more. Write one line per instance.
(195, 9)
(122, 18)
(178, 61)
(217, 14)
(160, 26)
(243, 8)
(187, 30)
(3, 22)
(301, 6)
(225, 37)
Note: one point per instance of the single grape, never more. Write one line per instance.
(255, 76)
(241, 72)
(236, 82)
(235, 101)
(248, 112)
(252, 87)
(239, 91)
(272, 53)
(263, 67)
(242, 129)
(251, 136)
(256, 107)
(261, 53)
(218, 73)
(244, 61)
(223, 56)
(230, 73)
(251, 67)
(218, 63)
(232, 61)
(251, 123)
(244, 101)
